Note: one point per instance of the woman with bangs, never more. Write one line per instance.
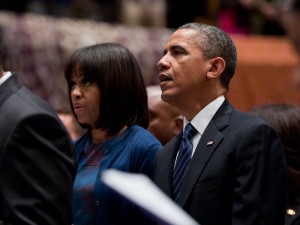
(108, 97)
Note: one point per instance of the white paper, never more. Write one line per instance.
(140, 190)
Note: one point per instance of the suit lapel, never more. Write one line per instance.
(9, 87)
(207, 145)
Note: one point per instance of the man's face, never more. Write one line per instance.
(183, 69)
(85, 98)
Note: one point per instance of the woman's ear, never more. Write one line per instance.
(217, 66)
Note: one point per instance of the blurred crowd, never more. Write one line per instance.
(233, 16)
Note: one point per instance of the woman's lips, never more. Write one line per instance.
(78, 108)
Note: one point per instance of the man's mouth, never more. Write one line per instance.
(164, 77)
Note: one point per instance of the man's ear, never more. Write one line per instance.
(217, 66)
(178, 125)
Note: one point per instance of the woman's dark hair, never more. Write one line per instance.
(116, 72)
(285, 119)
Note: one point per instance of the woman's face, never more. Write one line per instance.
(85, 98)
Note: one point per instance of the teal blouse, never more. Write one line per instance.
(96, 204)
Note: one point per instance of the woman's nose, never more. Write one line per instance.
(76, 91)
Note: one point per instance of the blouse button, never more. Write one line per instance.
(97, 203)
(290, 212)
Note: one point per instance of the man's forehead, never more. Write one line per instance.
(184, 33)
(182, 37)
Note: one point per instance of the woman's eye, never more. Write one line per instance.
(71, 85)
(86, 83)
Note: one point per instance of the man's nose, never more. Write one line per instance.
(163, 64)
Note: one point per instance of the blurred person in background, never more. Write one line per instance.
(165, 121)
(150, 13)
(70, 122)
(290, 20)
(285, 119)
(261, 17)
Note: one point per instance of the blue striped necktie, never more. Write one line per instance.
(183, 158)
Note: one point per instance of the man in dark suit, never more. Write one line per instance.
(37, 164)
(237, 171)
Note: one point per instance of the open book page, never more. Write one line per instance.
(140, 190)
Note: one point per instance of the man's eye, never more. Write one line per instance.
(177, 52)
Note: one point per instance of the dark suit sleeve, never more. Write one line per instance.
(38, 169)
(260, 184)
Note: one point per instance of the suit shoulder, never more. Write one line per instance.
(25, 103)
(242, 124)
(24, 107)
(244, 118)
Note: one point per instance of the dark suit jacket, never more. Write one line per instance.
(36, 160)
(239, 179)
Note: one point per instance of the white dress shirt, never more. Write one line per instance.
(202, 119)
(5, 76)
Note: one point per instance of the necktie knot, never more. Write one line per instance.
(189, 131)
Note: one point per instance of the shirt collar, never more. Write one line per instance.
(202, 119)
(5, 76)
